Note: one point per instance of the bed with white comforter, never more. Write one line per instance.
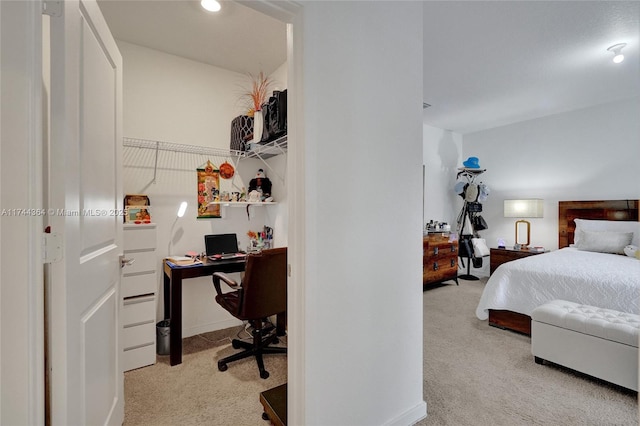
(599, 279)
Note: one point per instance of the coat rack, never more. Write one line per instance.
(467, 217)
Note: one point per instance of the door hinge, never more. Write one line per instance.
(52, 8)
(51, 247)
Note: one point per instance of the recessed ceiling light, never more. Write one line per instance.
(210, 5)
(617, 52)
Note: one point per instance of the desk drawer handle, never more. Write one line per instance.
(435, 266)
(453, 262)
(435, 250)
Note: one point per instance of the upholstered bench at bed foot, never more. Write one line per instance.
(602, 343)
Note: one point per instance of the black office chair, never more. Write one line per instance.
(262, 293)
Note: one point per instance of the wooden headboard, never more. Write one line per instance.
(601, 210)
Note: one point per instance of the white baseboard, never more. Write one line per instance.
(411, 416)
(205, 328)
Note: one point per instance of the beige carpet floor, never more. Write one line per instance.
(481, 375)
(473, 375)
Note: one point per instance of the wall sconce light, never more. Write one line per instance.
(617, 52)
(532, 208)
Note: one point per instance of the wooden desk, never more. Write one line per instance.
(173, 277)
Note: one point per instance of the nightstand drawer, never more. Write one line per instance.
(500, 256)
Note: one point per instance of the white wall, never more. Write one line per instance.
(586, 154)
(21, 277)
(441, 158)
(172, 99)
(363, 242)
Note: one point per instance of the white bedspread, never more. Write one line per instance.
(605, 280)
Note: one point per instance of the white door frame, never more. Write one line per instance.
(291, 13)
(21, 277)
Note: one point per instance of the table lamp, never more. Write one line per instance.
(530, 208)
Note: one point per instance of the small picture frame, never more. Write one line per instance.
(137, 214)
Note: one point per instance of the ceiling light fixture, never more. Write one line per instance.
(210, 5)
(617, 52)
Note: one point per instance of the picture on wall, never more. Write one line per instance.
(208, 192)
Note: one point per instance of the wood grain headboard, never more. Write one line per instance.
(600, 210)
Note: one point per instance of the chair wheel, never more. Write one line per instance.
(264, 374)
(235, 344)
(222, 367)
(265, 416)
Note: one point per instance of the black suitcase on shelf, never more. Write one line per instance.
(241, 128)
(275, 116)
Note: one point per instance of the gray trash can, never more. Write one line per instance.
(162, 337)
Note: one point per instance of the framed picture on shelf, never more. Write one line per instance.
(137, 214)
(136, 200)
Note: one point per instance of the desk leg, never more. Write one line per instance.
(175, 336)
(167, 297)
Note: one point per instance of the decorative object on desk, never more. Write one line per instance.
(208, 191)
(501, 243)
(527, 208)
(260, 183)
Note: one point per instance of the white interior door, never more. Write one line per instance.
(85, 196)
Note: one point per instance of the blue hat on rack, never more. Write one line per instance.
(472, 163)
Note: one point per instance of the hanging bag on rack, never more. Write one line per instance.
(479, 224)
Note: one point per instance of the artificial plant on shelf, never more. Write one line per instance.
(258, 94)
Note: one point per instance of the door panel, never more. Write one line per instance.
(85, 183)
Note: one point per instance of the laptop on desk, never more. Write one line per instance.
(222, 246)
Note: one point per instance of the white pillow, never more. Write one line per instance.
(604, 241)
(607, 225)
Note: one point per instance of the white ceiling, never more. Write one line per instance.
(237, 38)
(486, 64)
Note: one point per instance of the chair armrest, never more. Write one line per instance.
(221, 276)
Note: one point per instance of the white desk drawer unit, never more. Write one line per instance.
(139, 289)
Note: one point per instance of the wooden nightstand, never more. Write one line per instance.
(500, 256)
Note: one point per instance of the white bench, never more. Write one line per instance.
(599, 342)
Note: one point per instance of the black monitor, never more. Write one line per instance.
(220, 244)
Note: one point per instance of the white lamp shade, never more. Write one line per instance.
(523, 208)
